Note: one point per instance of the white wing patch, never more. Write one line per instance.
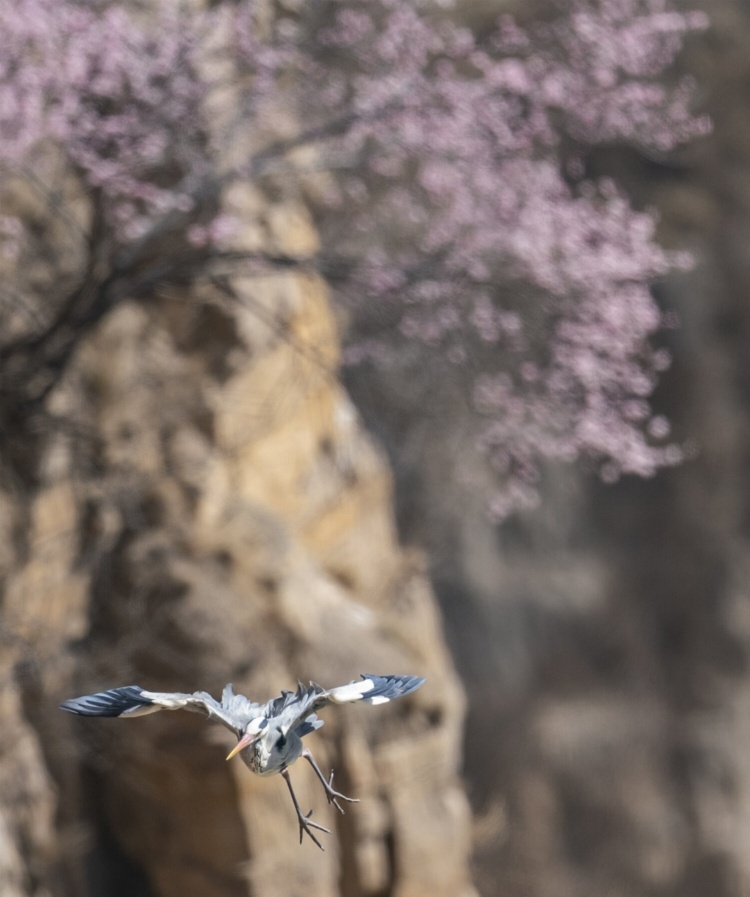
(354, 691)
(165, 700)
(140, 711)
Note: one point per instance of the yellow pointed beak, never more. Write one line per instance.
(244, 742)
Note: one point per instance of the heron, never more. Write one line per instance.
(269, 735)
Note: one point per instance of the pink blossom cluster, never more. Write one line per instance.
(610, 85)
(449, 182)
(461, 178)
(122, 97)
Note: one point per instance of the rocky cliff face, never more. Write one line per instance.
(210, 510)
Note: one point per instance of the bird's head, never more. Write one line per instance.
(253, 731)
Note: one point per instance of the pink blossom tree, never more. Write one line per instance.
(455, 181)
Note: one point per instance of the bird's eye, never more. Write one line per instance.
(281, 741)
(263, 724)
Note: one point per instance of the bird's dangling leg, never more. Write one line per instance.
(332, 795)
(305, 823)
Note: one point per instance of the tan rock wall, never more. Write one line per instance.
(214, 512)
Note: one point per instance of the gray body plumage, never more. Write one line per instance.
(280, 744)
(270, 735)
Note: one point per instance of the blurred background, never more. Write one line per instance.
(199, 486)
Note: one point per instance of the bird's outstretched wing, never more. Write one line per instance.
(293, 707)
(372, 689)
(234, 711)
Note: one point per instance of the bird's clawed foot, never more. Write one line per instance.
(333, 796)
(306, 824)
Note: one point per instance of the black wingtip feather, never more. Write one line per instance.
(114, 702)
(391, 687)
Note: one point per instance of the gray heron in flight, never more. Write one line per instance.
(270, 735)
